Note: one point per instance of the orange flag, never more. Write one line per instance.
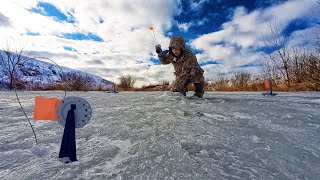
(267, 84)
(151, 28)
(45, 108)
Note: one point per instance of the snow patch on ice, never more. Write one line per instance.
(214, 116)
(170, 93)
(255, 139)
(241, 115)
(39, 150)
(316, 101)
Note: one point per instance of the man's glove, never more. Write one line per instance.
(158, 49)
(163, 53)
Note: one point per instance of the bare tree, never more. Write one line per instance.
(281, 57)
(313, 65)
(165, 83)
(298, 65)
(11, 59)
(313, 72)
(127, 81)
(241, 80)
(270, 71)
(77, 82)
(221, 83)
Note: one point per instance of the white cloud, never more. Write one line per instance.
(237, 43)
(184, 26)
(124, 30)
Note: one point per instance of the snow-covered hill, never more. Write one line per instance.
(36, 74)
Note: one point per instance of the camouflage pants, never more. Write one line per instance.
(198, 89)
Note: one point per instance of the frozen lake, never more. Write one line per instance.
(158, 135)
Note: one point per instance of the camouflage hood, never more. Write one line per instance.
(177, 42)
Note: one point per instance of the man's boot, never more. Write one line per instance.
(199, 89)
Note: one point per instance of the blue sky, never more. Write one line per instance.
(112, 38)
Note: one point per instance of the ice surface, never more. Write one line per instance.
(162, 135)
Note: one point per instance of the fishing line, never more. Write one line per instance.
(21, 107)
(25, 114)
(154, 35)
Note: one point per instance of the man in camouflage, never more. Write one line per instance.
(187, 69)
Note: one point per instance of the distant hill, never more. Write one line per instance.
(39, 75)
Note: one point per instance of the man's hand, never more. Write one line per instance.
(158, 48)
(163, 53)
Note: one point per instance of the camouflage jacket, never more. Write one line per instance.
(187, 69)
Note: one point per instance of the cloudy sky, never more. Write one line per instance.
(111, 38)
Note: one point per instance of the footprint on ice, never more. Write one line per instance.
(191, 148)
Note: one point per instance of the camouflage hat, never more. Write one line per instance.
(177, 42)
